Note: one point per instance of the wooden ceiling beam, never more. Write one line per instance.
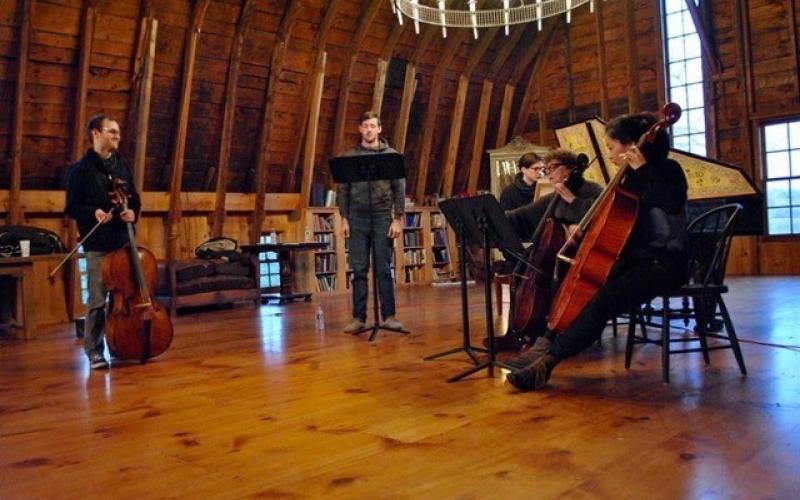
(228, 117)
(537, 53)
(142, 108)
(277, 56)
(631, 41)
(84, 58)
(15, 214)
(706, 42)
(602, 70)
(297, 145)
(451, 156)
(309, 152)
(428, 128)
(340, 121)
(179, 148)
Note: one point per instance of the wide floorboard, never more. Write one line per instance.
(258, 403)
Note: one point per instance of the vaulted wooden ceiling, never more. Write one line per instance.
(263, 53)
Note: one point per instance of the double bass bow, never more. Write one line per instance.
(606, 229)
(137, 326)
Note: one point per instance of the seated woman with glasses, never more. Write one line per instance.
(564, 170)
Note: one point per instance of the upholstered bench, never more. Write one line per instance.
(200, 282)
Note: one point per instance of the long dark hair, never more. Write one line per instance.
(627, 129)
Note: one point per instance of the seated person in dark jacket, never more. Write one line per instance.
(575, 195)
(520, 192)
(652, 262)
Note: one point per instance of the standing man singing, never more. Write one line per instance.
(387, 198)
(88, 185)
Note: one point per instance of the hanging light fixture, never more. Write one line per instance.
(475, 17)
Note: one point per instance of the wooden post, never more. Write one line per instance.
(428, 128)
(311, 133)
(455, 135)
(276, 68)
(537, 54)
(228, 116)
(383, 66)
(143, 108)
(401, 126)
(79, 116)
(318, 47)
(793, 40)
(480, 133)
(15, 188)
(380, 85)
(706, 43)
(505, 115)
(176, 180)
(340, 121)
(570, 78)
(633, 56)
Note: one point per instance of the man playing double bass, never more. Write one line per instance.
(575, 195)
(88, 202)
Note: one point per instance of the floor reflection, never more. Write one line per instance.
(273, 333)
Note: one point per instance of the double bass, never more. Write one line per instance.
(606, 228)
(137, 326)
(534, 290)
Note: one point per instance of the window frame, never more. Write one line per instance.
(764, 178)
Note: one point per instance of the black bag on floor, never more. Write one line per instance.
(43, 241)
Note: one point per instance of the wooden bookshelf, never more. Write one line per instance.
(421, 255)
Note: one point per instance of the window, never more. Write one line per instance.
(782, 166)
(268, 267)
(685, 77)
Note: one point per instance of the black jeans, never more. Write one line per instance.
(630, 283)
(361, 241)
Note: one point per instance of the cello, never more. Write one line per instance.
(137, 326)
(534, 291)
(606, 228)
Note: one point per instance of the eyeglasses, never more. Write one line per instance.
(111, 131)
(552, 166)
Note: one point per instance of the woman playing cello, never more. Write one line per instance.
(653, 260)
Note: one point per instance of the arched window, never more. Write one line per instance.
(685, 76)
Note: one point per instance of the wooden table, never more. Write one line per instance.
(284, 251)
(22, 297)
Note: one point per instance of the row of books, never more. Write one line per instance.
(325, 263)
(441, 256)
(325, 238)
(326, 282)
(323, 222)
(437, 221)
(414, 219)
(414, 274)
(439, 237)
(412, 257)
(412, 238)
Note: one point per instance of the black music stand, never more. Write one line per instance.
(368, 168)
(481, 221)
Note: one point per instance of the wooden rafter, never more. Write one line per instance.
(632, 56)
(276, 68)
(146, 18)
(383, 66)
(480, 135)
(793, 39)
(15, 209)
(176, 179)
(79, 114)
(451, 153)
(602, 70)
(401, 125)
(228, 116)
(570, 77)
(143, 105)
(530, 54)
(537, 54)
(706, 43)
(340, 121)
(311, 132)
(452, 45)
(318, 48)
(505, 116)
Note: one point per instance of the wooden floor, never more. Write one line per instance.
(257, 403)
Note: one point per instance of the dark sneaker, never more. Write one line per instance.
(537, 350)
(98, 362)
(535, 376)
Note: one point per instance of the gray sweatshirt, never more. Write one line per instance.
(387, 196)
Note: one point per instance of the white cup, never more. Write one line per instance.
(25, 248)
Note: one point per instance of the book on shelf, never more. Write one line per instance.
(326, 282)
(412, 239)
(437, 221)
(325, 263)
(413, 257)
(323, 222)
(413, 220)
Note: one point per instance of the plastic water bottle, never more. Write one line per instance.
(319, 319)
